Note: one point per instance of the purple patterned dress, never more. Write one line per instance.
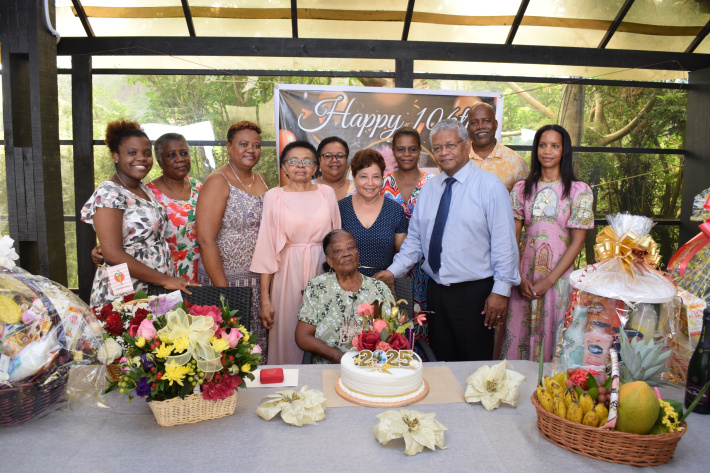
(236, 241)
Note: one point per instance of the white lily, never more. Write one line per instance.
(491, 386)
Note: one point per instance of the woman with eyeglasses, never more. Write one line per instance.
(403, 186)
(228, 215)
(289, 249)
(333, 153)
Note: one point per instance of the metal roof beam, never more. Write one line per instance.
(408, 20)
(294, 18)
(83, 18)
(699, 38)
(188, 17)
(516, 23)
(381, 49)
(615, 24)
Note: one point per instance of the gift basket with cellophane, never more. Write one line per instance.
(45, 330)
(624, 301)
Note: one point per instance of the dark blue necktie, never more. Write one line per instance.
(437, 235)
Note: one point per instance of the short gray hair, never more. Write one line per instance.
(160, 142)
(449, 124)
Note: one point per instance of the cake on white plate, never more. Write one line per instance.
(367, 376)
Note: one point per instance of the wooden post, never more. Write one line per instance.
(82, 126)
(31, 118)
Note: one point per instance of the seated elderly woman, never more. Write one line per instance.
(327, 319)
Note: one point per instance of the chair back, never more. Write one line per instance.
(238, 298)
(404, 289)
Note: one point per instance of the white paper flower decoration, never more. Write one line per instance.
(418, 429)
(7, 252)
(491, 386)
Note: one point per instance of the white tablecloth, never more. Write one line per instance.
(127, 438)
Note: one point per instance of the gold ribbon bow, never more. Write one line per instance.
(630, 250)
(198, 330)
(418, 429)
(296, 408)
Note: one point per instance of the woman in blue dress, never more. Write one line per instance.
(378, 224)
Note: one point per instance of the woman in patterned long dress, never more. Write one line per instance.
(228, 218)
(178, 192)
(403, 186)
(327, 319)
(289, 250)
(556, 210)
(130, 224)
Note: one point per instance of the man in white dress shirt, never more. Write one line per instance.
(464, 229)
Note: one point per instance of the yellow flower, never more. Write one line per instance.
(181, 344)
(219, 344)
(163, 351)
(670, 418)
(177, 373)
(246, 367)
(164, 338)
(245, 338)
(140, 343)
(242, 329)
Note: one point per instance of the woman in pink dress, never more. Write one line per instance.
(289, 249)
(556, 210)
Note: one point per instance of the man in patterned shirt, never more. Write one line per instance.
(487, 153)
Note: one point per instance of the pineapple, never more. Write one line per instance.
(643, 361)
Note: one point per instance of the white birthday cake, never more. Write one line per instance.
(371, 377)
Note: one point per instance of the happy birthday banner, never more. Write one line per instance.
(366, 117)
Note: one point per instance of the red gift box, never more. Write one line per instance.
(271, 375)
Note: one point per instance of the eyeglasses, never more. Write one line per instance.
(296, 162)
(331, 156)
(449, 146)
(402, 149)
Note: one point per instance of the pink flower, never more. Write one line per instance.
(356, 341)
(379, 325)
(234, 337)
(207, 311)
(256, 349)
(365, 310)
(146, 330)
(420, 318)
(403, 318)
(384, 346)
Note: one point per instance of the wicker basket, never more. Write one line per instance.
(32, 397)
(606, 445)
(113, 371)
(192, 409)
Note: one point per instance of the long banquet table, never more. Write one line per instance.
(126, 437)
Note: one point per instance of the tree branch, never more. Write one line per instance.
(531, 100)
(617, 135)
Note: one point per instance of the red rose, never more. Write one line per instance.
(105, 311)
(138, 317)
(128, 298)
(369, 340)
(114, 324)
(398, 342)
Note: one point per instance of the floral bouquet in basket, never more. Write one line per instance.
(189, 349)
(384, 326)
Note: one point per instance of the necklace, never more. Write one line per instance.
(171, 187)
(338, 187)
(240, 181)
(124, 184)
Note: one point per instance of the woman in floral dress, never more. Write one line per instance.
(130, 224)
(556, 210)
(178, 192)
(228, 218)
(403, 186)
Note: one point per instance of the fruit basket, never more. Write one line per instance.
(607, 445)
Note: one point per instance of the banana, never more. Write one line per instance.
(602, 411)
(570, 396)
(560, 378)
(546, 381)
(603, 421)
(575, 412)
(556, 389)
(586, 402)
(591, 418)
(545, 399)
(559, 408)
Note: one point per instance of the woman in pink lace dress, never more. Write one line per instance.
(289, 250)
